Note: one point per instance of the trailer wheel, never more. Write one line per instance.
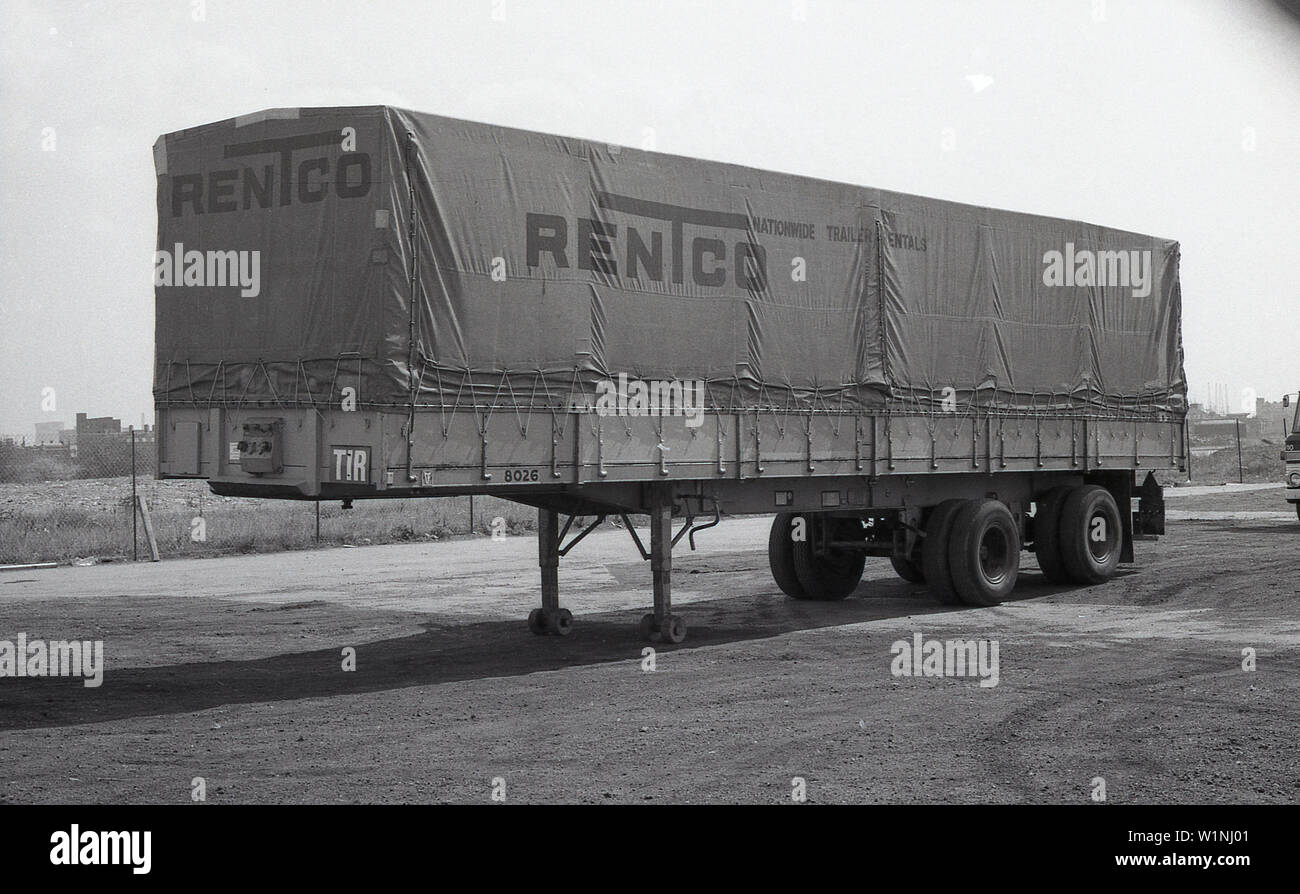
(984, 552)
(673, 629)
(908, 569)
(934, 553)
(1047, 535)
(1091, 535)
(544, 622)
(562, 622)
(780, 556)
(834, 573)
(537, 622)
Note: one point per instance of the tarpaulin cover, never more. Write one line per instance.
(419, 258)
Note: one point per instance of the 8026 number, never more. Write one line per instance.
(521, 475)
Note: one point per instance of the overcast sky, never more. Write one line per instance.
(1178, 118)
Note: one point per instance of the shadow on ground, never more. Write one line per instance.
(445, 653)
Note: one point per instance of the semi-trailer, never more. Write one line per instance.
(369, 302)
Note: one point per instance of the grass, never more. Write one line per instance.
(65, 534)
(1260, 464)
(62, 521)
(1270, 500)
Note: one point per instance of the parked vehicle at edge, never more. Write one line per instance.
(1291, 456)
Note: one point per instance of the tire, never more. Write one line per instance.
(934, 553)
(537, 622)
(908, 569)
(780, 556)
(1047, 535)
(836, 574)
(984, 552)
(562, 622)
(1089, 560)
(673, 629)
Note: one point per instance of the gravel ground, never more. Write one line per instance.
(230, 669)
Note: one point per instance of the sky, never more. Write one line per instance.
(1176, 118)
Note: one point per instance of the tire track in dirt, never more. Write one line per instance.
(1120, 725)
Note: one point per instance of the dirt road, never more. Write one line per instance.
(232, 670)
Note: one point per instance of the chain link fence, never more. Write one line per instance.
(78, 504)
(92, 456)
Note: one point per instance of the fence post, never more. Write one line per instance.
(143, 506)
(471, 513)
(135, 554)
(1240, 479)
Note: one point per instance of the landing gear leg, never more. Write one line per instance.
(550, 619)
(663, 624)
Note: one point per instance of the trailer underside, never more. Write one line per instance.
(951, 499)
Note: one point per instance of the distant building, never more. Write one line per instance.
(98, 425)
(1213, 428)
(1272, 417)
(48, 433)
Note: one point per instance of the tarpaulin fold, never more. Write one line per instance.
(528, 267)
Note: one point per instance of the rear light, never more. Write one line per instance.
(261, 451)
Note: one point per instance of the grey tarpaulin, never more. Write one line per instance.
(541, 264)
